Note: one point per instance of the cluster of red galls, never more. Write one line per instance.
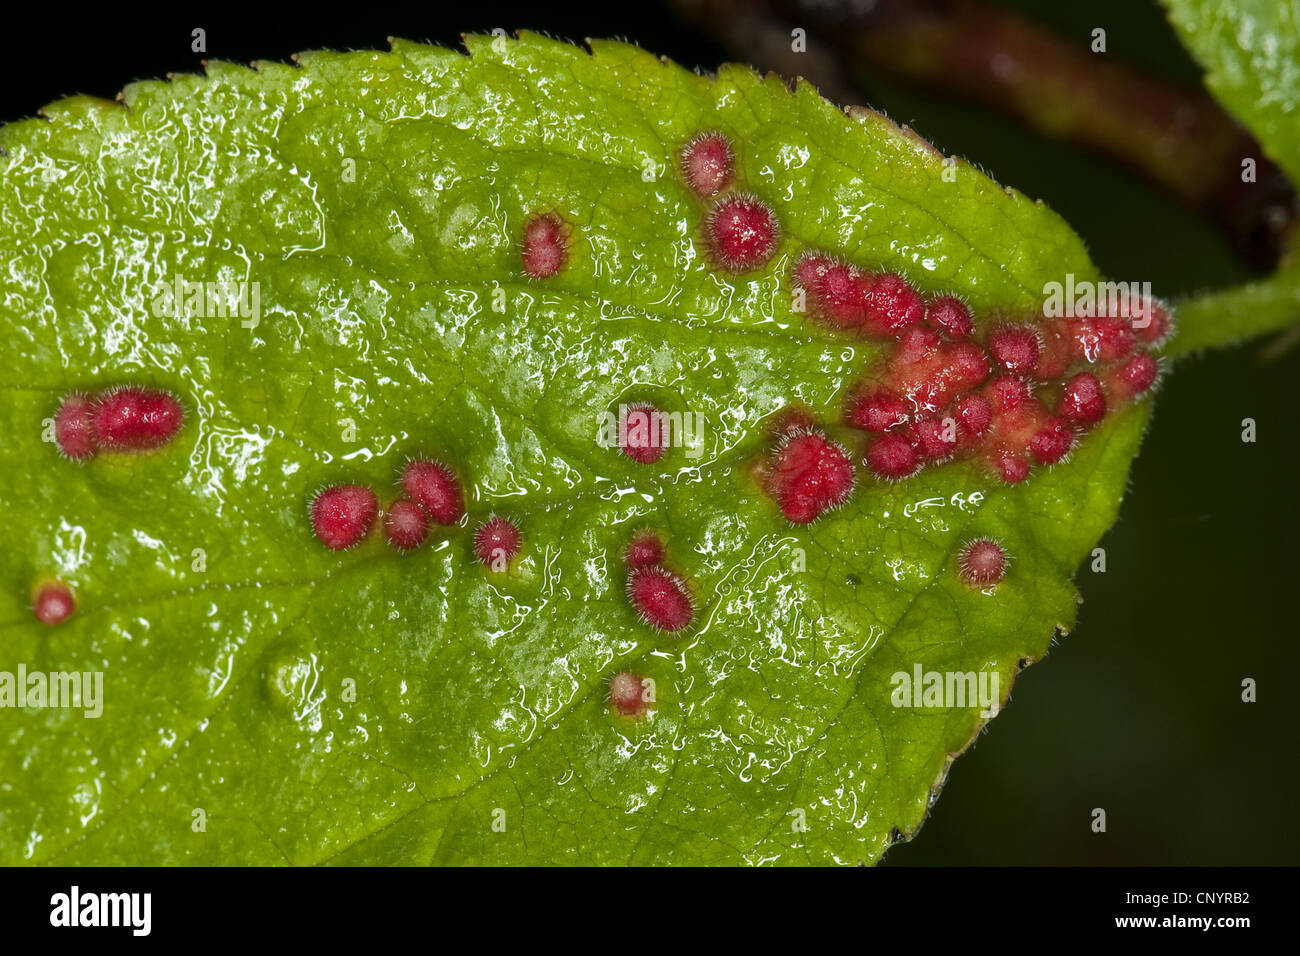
(342, 516)
(941, 394)
(660, 597)
(125, 418)
(1022, 397)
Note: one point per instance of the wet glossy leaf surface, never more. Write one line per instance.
(371, 706)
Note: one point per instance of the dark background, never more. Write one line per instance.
(1139, 710)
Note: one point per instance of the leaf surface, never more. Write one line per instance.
(371, 707)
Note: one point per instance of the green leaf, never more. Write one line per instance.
(1251, 52)
(229, 638)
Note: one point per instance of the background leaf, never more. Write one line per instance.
(1251, 53)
